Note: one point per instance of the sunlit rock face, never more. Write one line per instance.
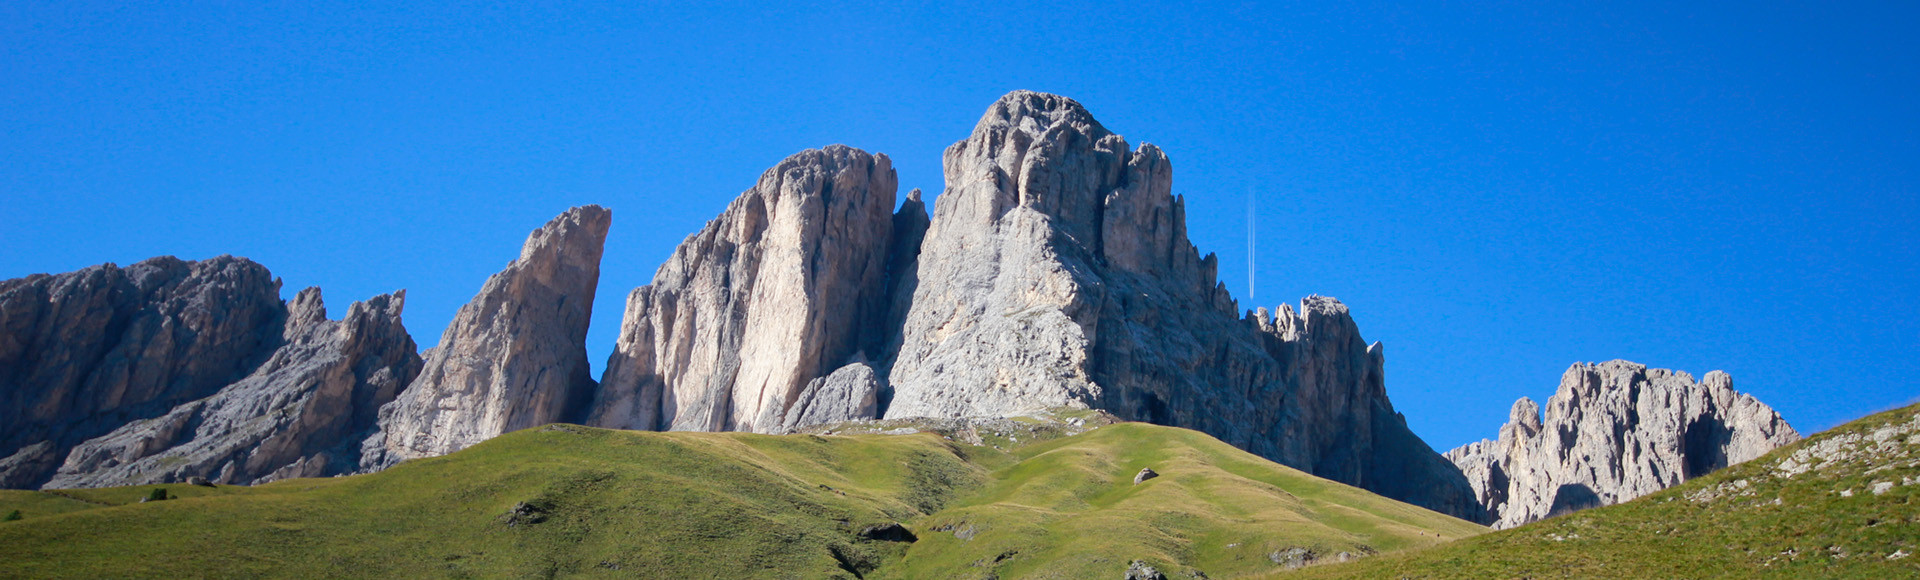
(1057, 272)
(1615, 431)
(514, 357)
(780, 301)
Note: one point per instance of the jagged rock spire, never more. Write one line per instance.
(514, 357)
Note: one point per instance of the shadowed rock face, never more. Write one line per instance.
(1613, 432)
(514, 357)
(86, 352)
(755, 309)
(300, 414)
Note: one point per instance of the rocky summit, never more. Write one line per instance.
(514, 357)
(1057, 272)
(86, 352)
(1615, 431)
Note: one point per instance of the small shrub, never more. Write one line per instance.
(15, 516)
(159, 493)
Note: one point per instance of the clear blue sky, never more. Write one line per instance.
(1498, 190)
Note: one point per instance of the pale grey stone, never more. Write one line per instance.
(789, 284)
(1615, 431)
(848, 394)
(514, 357)
(1056, 272)
(1139, 570)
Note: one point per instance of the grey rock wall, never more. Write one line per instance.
(1615, 431)
(514, 357)
(300, 414)
(85, 352)
(783, 288)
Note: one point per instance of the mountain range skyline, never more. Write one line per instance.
(1671, 230)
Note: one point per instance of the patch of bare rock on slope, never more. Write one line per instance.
(1615, 431)
(1054, 272)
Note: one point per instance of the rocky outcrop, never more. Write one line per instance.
(763, 320)
(85, 352)
(1615, 431)
(1057, 273)
(848, 394)
(514, 357)
(302, 413)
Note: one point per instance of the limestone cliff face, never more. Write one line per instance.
(302, 413)
(752, 312)
(1615, 431)
(514, 357)
(86, 352)
(1057, 272)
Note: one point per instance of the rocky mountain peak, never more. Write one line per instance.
(514, 357)
(1524, 416)
(1614, 431)
(1056, 272)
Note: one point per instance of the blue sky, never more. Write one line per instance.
(1498, 190)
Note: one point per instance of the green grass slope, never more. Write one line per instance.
(1068, 508)
(1842, 504)
(575, 501)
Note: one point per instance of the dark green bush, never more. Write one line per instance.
(12, 516)
(159, 493)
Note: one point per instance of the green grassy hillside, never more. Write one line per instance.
(1068, 508)
(1842, 504)
(576, 501)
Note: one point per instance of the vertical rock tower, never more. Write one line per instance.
(743, 327)
(514, 357)
(1615, 431)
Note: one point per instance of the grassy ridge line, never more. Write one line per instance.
(672, 505)
(577, 501)
(1069, 509)
(1808, 510)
